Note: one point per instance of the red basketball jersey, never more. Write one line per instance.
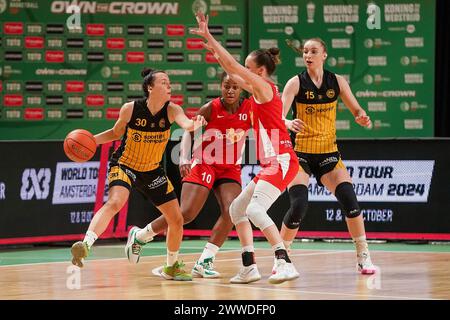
(272, 136)
(223, 141)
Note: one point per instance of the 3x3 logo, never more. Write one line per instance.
(35, 183)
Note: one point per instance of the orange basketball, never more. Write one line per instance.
(80, 145)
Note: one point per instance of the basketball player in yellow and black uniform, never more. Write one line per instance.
(144, 126)
(313, 96)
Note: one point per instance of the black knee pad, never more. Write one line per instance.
(347, 198)
(298, 196)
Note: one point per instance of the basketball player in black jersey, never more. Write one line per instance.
(144, 126)
(313, 96)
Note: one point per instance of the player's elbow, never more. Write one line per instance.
(116, 133)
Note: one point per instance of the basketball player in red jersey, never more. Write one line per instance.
(215, 165)
(274, 150)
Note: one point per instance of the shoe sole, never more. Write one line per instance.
(245, 282)
(129, 244)
(278, 281)
(78, 251)
(196, 274)
(182, 279)
(367, 271)
(169, 277)
(157, 271)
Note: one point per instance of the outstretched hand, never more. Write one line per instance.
(202, 29)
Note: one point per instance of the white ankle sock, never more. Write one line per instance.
(361, 244)
(209, 251)
(278, 246)
(90, 238)
(172, 257)
(146, 234)
(248, 249)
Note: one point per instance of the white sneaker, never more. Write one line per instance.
(157, 271)
(274, 268)
(247, 275)
(205, 269)
(364, 263)
(133, 247)
(284, 271)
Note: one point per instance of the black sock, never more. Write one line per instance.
(248, 258)
(282, 254)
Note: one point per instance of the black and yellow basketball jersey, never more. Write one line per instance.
(317, 108)
(145, 138)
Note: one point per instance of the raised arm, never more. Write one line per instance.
(259, 87)
(241, 83)
(119, 127)
(352, 104)
(289, 93)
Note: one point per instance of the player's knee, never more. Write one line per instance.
(347, 198)
(174, 220)
(237, 212)
(188, 215)
(114, 205)
(258, 215)
(298, 196)
(225, 213)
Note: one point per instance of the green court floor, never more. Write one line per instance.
(111, 250)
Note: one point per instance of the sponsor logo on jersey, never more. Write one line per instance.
(330, 93)
(136, 137)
